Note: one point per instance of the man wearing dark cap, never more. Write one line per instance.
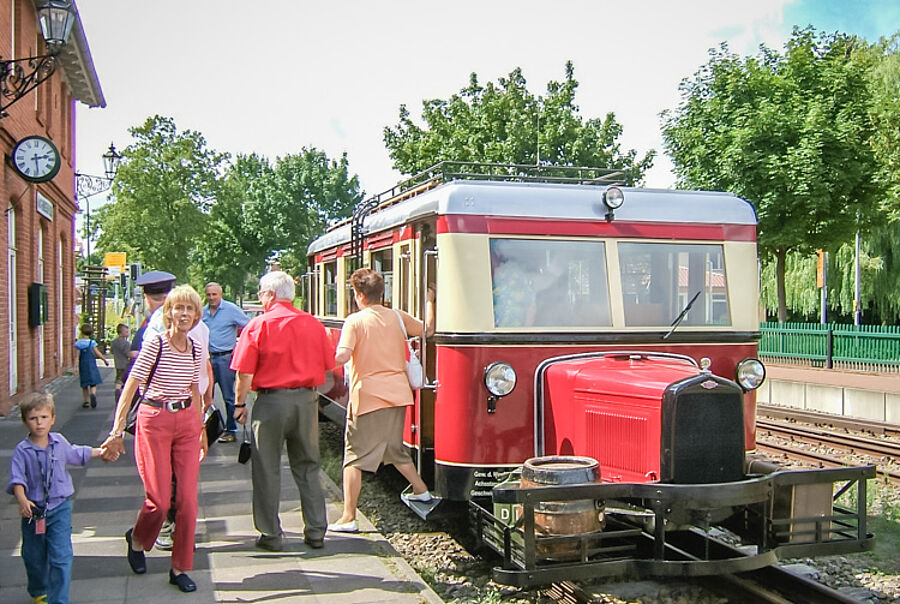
(156, 286)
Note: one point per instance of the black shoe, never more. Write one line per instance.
(136, 560)
(85, 404)
(93, 401)
(314, 543)
(184, 583)
(272, 543)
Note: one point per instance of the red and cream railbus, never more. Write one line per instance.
(574, 317)
(535, 268)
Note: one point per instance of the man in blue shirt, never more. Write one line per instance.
(225, 321)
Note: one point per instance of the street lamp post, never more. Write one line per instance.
(87, 185)
(56, 18)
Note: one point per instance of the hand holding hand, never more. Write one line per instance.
(113, 447)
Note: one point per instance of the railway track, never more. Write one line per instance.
(885, 453)
(770, 585)
(827, 419)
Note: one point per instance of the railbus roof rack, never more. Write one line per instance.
(447, 171)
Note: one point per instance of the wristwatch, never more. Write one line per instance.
(117, 434)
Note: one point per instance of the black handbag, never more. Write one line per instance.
(213, 424)
(244, 451)
(131, 417)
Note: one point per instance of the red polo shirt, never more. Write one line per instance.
(284, 348)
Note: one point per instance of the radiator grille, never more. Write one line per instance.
(703, 434)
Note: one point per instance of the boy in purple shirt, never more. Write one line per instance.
(42, 486)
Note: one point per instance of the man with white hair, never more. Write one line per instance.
(283, 355)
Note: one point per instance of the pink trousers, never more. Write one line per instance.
(167, 443)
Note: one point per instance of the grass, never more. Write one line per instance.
(883, 521)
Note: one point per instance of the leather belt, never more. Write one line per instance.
(221, 353)
(172, 406)
(274, 390)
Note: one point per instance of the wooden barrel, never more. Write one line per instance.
(564, 517)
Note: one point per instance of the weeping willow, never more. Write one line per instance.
(879, 281)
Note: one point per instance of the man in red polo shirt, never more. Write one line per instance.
(283, 355)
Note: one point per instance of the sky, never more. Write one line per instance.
(274, 76)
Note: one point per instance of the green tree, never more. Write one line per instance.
(788, 132)
(235, 244)
(308, 191)
(803, 297)
(505, 123)
(884, 84)
(162, 195)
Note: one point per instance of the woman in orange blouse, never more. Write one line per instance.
(372, 339)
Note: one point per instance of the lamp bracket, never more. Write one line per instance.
(87, 185)
(16, 82)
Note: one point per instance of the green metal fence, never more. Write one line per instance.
(864, 347)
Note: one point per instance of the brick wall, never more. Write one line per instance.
(46, 111)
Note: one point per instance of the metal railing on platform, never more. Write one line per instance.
(856, 347)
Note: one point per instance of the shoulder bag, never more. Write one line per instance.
(414, 372)
(245, 450)
(213, 424)
(131, 418)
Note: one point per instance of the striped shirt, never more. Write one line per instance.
(174, 374)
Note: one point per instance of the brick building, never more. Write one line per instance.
(38, 227)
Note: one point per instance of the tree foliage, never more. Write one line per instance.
(162, 193)
(788, 132)
(506, 123)
(184, 208)
(308, 192)
(234, 245)
(267, 210)
(884, 84)
(803, 297)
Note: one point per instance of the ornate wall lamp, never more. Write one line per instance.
(56, 18)
(87, 185)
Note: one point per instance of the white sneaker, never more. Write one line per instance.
(344, 527)
(424, 497)
(164, 540)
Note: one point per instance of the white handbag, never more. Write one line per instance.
(414, 372)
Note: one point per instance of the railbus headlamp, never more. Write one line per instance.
(750, 374)
(613, 198)
(499, 378)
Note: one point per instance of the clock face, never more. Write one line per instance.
(36, 159)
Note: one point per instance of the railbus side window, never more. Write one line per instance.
(549, 283)
(659, 279)
(330, 269)
(382, 261)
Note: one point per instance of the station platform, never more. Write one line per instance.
(352, 568)
(864, 395)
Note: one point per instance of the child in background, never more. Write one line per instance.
(120, 348)
(87, 366)
(42, 486)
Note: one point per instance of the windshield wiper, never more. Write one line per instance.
(682, 315)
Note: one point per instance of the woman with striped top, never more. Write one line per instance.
(169, 437)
